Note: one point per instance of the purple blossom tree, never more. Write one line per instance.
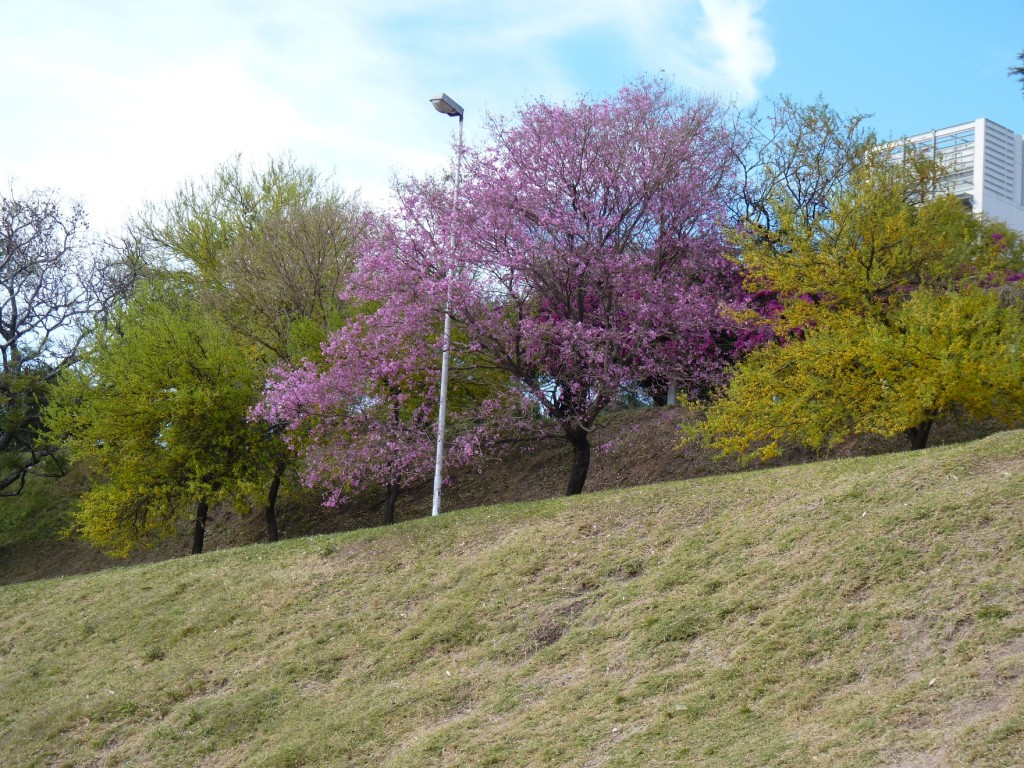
(366, 414)
(363, 415)
(588, 263)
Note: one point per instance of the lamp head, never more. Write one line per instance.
(446, 105)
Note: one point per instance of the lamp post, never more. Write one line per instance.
(444, 104)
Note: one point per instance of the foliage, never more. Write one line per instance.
(367, 414)
(937, 353)
(587, 256)
(266, 253)
(1018, 72)
(157, 409)
(887, 317)
(271, 248)
(54, 282)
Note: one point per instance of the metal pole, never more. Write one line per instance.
(442, 410)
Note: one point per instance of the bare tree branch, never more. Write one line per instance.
(55, 283)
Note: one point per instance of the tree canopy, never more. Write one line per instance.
(816, 284)
(886, 316)
(805, 152)
(1018, 72)
(270, 248)
(587, 256)
(244, 271)
(157, 409)
(55, 282)
(366, 414)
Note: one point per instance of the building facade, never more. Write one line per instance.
(986, 167)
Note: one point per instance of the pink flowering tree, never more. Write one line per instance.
(588, 258)
(362, 417)
(588, 263)
(366, 414)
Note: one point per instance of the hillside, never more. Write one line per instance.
(862, 612)
(634, 447)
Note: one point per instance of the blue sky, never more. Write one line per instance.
(115, 102)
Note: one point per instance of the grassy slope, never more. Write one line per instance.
(634, 447)
(862, 612)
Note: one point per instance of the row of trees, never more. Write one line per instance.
(781, 269)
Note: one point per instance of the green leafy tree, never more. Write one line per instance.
(268, 251)
(157, 409)
(271, 250)
(886, 316)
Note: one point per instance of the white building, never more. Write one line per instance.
(986, 164)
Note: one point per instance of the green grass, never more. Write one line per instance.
(867, 612)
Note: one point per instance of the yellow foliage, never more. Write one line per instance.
(889, 318)
(157, 409)
(938, 353)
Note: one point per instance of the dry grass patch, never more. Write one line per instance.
(868, 612)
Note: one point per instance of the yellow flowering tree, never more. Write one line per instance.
(887, 314)
(157, 410)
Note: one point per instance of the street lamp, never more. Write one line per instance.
(444, 104)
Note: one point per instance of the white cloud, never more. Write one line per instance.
(117, 102)
(745, 56)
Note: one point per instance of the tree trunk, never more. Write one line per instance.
(391, 489)
(919, 435)
(580, 442)
(271, 511)
(199, 532)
